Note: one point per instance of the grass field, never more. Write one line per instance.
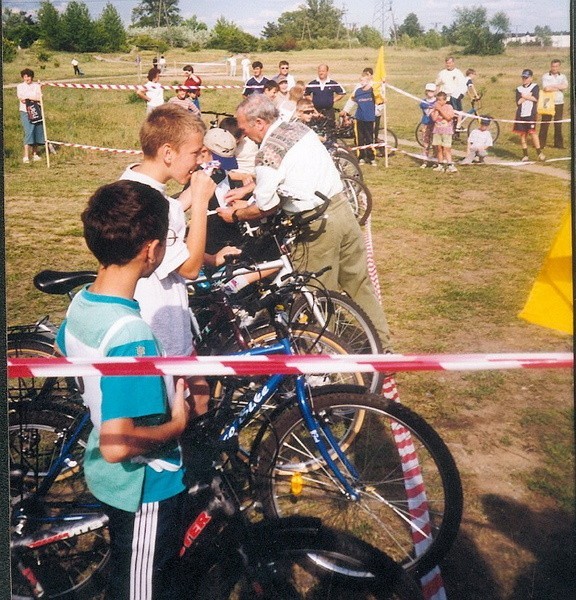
(456, 255)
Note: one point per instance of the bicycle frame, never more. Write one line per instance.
(267, 391)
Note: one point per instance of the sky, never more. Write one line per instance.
(252, 15)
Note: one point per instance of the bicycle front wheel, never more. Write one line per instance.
(394, 452)
(297, 560)
(359, 197)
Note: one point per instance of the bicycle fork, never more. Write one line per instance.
(315, 425)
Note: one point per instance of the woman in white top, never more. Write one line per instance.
(154, 92)
(29, 90)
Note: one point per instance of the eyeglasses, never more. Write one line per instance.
(171, 237)
(308, 112)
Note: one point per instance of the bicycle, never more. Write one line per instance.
(312, 306)
(345, 130)
(470, 121)
(354, 487)
(223, 555)
(369, 495)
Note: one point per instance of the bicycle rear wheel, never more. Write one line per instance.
(300, 561)
(389, 137)
(35, 439)
(36, 389)
(346, 163)
(349, 323)
(493, 128)
(294, 479)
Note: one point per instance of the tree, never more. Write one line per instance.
(369, 37)
(78, 29)
(50, 26)
(271, 30)
(410, 27)
(543, 35)
(473, 31)
(110, 32)
(313, 20)
(194, 24)
(228, 36)
(156, 13)
(19, 27)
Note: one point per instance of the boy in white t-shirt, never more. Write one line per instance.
(172, 142)
(479, 141)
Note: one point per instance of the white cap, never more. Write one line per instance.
(430, 87)
(220, 142)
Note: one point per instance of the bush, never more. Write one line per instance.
(9, 50)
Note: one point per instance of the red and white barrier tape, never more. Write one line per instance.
(134, 87)
(466, 114)
(289, 365)
(99, 148)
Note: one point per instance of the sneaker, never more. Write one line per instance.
(51, 149)
(438, 168)
(25, 160)
(466, 161)
(35, 157)
(373, 164)
(525, 159)
(451, 169)
(541, 156)
(361, 162)
(424, 166)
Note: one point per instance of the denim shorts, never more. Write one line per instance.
(33, 133)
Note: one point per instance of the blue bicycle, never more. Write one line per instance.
(333, 452)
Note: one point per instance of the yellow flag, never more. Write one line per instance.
(550, 302)
(380, 68)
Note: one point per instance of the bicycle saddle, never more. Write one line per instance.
(62, 282)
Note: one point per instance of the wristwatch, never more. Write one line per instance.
(235, 216)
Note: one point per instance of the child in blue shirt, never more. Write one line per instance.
(133, 462)
(426, 105)
(364, 99)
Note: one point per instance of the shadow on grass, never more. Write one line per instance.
(548, 535)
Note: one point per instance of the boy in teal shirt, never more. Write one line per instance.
(133, 460)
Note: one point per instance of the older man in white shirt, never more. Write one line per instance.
(291, 166)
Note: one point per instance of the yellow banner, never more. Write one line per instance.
(380, 68)
(550, 302)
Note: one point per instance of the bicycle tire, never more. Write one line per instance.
(346, 163)
(303, 562)
(493, 128)
(381, 516)
(34, 440)
(419, 134)
(307, 341)
(359, 197)
(349, 323)
(70, 568)
(391, 139)
(36, 389)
